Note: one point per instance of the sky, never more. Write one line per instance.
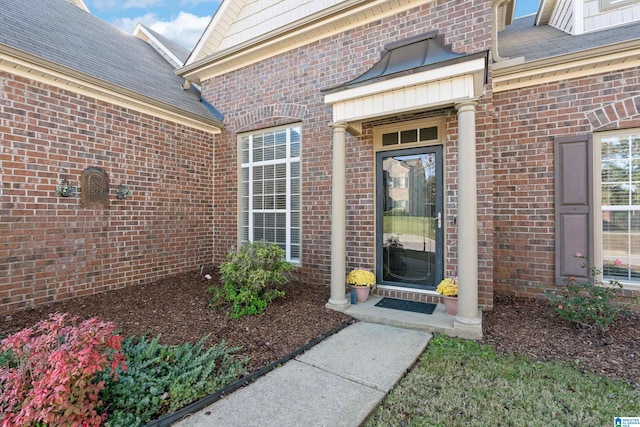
(183, 21)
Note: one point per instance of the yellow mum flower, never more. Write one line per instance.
(448, 287)
(361, 277)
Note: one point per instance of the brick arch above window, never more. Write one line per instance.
(609, 116)
(269, 116)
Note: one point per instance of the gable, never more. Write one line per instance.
(227, 45)
(241, 21)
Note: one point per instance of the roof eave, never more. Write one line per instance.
(571, 65)
(73, 78)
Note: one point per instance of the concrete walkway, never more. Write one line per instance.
(336, 383)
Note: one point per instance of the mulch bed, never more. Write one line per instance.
(529, 327)
(178, 308)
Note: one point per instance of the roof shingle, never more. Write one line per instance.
(63, 34)
(523, 38)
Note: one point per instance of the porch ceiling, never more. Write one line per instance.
(413, 74)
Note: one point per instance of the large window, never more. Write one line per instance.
(620, 185)
(270, 188)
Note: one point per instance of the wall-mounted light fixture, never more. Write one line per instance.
(123, 191)
(65, 189)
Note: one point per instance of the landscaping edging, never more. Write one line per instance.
(198, 405)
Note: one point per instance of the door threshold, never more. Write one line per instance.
(437, 322)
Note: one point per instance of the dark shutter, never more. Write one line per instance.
(574, 205)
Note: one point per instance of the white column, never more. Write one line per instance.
(468, 316)
(338, 300)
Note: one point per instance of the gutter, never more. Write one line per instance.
(71, 78)
(609, 58)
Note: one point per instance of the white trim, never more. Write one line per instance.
(331, 21)
(442, 73)
(378, 131)
(288, 161)
(608, 5)
(213, 24)
(141, 29)
(18, 67)
(578, 17)
(597, 190)
(564, 67)
(406, 99)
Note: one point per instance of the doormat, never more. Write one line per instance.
(400, 304)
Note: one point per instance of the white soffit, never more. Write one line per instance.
(427, 89)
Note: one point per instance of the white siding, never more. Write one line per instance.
(597, 19)
(562, 17)
(429, 94)
(262, 16)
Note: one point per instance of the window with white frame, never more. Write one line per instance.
(270, 188)
(620, 186)
(612, 4)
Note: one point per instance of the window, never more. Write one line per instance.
(410, 136)
(270, 188)
(612, 4)
(620, 186)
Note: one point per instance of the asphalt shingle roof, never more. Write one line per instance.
(59, 32)
(523, 38)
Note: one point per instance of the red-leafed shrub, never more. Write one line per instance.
(49, 372)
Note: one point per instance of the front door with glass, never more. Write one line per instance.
(409, 217)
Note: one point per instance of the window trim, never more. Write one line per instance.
(597, 197)
(378, 131)
(287, 161)
(606, 5)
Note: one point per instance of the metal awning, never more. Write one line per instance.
(413, 55)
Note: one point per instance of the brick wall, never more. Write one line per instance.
(526, 121)
(51, 248)
(287, 89)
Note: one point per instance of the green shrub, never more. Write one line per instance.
(250, 278)
(589, 302)
(161, 379)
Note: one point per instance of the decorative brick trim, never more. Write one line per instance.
(609, 116)
(269, 115)
(407, 295)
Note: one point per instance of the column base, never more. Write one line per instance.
(338, 304)
(468, 328)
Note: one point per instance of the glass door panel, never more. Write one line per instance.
(409, 211)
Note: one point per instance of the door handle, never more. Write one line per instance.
(439, 218)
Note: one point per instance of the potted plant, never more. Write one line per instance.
(361, 281)
(448, 288)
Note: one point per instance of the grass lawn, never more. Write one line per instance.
(415, 225)
(461, 382)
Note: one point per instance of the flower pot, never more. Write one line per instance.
(451, 304)
(362, 292)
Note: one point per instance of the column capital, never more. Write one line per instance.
(339, 125)
(466, 105)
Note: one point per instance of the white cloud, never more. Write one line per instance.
(141, 4)
(128, 4)
(185, 29)
(191, 3)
